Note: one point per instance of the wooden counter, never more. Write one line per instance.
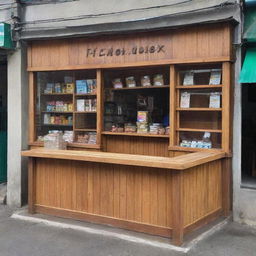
(157, 195)
(177, 163)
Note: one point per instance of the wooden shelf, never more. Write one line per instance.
(85, 130)
(199, 130)
(179, 148)
(85, 112)
(81, 145)
(56, 94)
(71, 125)
(199, 86)
(139, 88)
(85, 94)
(199, 109)
(57, 112)
(136, 134)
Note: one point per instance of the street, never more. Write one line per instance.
(21, 238)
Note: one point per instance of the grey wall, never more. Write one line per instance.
(17, 126)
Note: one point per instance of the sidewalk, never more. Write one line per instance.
(22, 238)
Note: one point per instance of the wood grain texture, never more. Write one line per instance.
(181, 162)
(136, 194)
(135, 198)
(196, 44)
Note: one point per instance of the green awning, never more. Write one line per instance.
(248, 73)
(250, 24)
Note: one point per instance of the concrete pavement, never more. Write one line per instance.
(22, 238)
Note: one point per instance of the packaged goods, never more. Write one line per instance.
(81, 87)
(188, 78)
(91, 85)
(80, 105)
(142, 127)
(167, 130)
(215, 77)
(142, 116)
(130, 81)
(185, 100)
(129, 127)
(70, 87)
(92, 138)
(68, 136)
(57, 88)
(68, 79)
(54, 140)
(49, 88)
(145, 81)
(215, 100)
(158, 80)
(117, 83)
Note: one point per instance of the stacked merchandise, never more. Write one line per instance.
(54, 140)
(68, 136)
(87, 138)
(86, 86)
(156, 128)
(88, 105)
(57, 119)
(142, 122)
(59, 88)
(59, 106)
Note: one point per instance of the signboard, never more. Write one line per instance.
(5, 36)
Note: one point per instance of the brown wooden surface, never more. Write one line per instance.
(144, 199)
(196, 44)
(32, 104)
(31, 185)
(179, 162)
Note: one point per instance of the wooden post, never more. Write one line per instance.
(99, 105)
(31, 185)
(226, 186)
(32, 104)
(178, 209)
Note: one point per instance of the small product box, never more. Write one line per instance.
(81, 87)
(215, 77)
(142, 116)
(117, 83)
(80, 105)
(185, 100)
(130, 81)
(57, 88)
(214, 100)
(188, 78)
(49, 88)
(70, 87)
(158, 80)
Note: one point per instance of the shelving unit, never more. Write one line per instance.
(200, 118)
(80, 123)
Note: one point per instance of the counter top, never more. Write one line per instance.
(177, 163)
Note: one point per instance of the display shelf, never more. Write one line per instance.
(85, 94)
(199, 130)
(56, 94)
(85, 112)
(139, 88)
(58, 112)
(85, 130)
(136, 134)
(199, 86)
(81, 145)
(68, 125)
(186, 149)
(199, 109)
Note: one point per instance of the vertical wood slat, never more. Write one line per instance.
(226, 186)
(172, 110)
(226, 107)
(31, 185)
(32, 104)
(99, 93)
(178, 208)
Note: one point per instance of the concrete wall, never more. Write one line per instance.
(17, 126)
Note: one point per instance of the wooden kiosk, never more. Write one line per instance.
(164, 178)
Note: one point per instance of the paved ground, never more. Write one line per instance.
(20, 238)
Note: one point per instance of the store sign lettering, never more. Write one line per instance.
(136, 50)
